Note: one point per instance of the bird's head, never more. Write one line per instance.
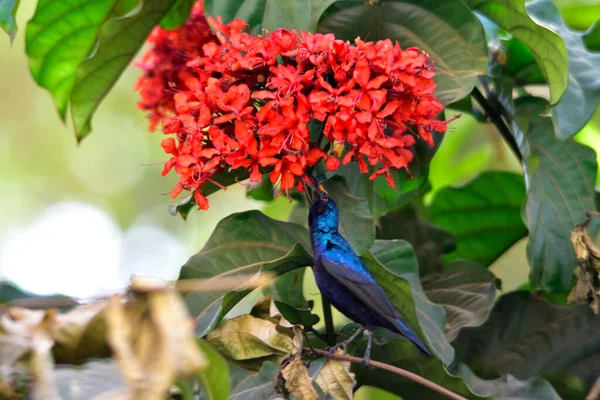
(324, 213)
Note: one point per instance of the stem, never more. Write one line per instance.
(329, 330)
(390, 368)
(496, 119)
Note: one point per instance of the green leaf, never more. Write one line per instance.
(380, 196)
(429, 242)
(15, 296)
(521, 63)
(505, 387)
(527, 337)
(484, 216)
(467, 292)
(446, 30)
(561, 176)
(297, 316)
(178, 15)
(457, 378)
(288, 288)
(582, 96)
(356, 222)
(262, 191)
(248, 385)
(243, 243)
(548, 48)
(394, 265)
(591, 38)
(215, 379)
(60, 36)
(264, 14)
(119, 41)
(8, 15)
(78, 48)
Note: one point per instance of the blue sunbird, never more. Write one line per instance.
(345, 281)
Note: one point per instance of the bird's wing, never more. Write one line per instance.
(349, 270)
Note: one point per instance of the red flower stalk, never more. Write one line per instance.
(232, 104)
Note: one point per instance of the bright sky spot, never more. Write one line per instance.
(71, 248)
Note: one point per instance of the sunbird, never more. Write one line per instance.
(345, 281)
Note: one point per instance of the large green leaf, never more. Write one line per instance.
(429, 242)
(560, 188)
(467, 292)
(8, 13)
(527, 337)
(394, 265)
(548, 48)
(60, 36)
(458, 377)
(446, 30)
(484, 216)
(356, 222)
(505, 387)
(78, 48)
(119, 41)
(215, 379)
(266, 14)
(243, 243)
(582, 96)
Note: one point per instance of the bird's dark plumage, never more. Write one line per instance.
(343, 278)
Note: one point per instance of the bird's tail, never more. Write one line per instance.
(405, 331)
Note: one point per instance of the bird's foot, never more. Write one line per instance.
(334, 349)
(366, 362)
(367, 356)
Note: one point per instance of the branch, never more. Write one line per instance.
(496, 119)
(390, 368)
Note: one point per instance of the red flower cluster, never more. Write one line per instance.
(245, 101)
(164, 64)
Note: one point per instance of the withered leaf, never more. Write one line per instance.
(152, 337)
(588, 256)
(247, 337)
(30, 336)
(297, 380)
(336, 379)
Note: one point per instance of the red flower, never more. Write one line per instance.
(234, 100)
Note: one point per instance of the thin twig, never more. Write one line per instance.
(390, 368)
(496, 119)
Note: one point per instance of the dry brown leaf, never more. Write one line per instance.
(588, 255)
(247, 337)
(152, 338)
(26, 337)
(297, 380)
(336, 379)
(265, 308)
